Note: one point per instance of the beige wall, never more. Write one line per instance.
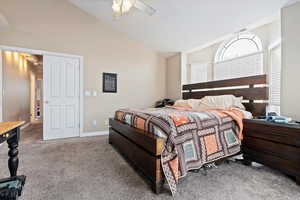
(56, 25)
(174, 77)
(16, 87)
(290, 95)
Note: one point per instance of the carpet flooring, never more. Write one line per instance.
(89, 168)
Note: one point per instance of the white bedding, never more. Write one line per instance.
(225, 102)
(247, 114)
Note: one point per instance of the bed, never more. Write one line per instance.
(147, 151)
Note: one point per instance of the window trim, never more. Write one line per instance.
(243, 56)
(208, 67)
(274, 46)
(260, 53)
(219, 56)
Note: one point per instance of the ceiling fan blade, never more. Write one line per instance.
(144, 7)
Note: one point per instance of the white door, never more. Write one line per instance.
(61, 97)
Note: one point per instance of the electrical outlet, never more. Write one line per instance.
(106, 122)
(94, 123)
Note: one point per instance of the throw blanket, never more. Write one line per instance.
(193, 137)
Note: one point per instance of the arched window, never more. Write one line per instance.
(239, 57)
(240, 45)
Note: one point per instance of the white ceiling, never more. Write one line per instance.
(181, 25)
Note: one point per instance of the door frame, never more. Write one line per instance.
(42, 52)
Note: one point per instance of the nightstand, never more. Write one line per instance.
(274, 145)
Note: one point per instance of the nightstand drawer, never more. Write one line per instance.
(272, 132)
(274, 145)
(272, 161)
(282, 151)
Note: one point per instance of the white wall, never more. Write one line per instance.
(174, 77)
(290, 94)
(59, 26)
(268, 33)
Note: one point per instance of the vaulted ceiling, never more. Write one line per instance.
(181, 25)
(3, 22)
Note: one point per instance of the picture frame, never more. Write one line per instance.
(109, 82)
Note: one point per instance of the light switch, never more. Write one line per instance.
(94, 93)
(94, 122)
(87, 93)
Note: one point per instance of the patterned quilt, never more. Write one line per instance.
(193, 137)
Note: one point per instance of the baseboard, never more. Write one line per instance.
(25, 125)
(97, 133)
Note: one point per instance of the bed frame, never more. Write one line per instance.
(143, 150)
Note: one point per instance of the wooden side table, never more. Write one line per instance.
(11, 188)
(10, 132)
(274, 145)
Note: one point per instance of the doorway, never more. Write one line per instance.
(51, 91)
(21, 99)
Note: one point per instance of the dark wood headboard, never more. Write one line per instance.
(250, 93)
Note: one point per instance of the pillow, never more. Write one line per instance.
(194, 103)
(190, 103)
(222, 102)
(182, 103)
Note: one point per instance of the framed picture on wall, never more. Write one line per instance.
(109, 82)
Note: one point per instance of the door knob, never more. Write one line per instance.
(46, 102)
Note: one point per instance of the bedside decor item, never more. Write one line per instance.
(163, 103)
(109, 83)
(279, 119)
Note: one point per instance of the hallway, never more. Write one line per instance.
(32, 134)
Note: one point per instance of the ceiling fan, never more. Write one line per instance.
(121, 7)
